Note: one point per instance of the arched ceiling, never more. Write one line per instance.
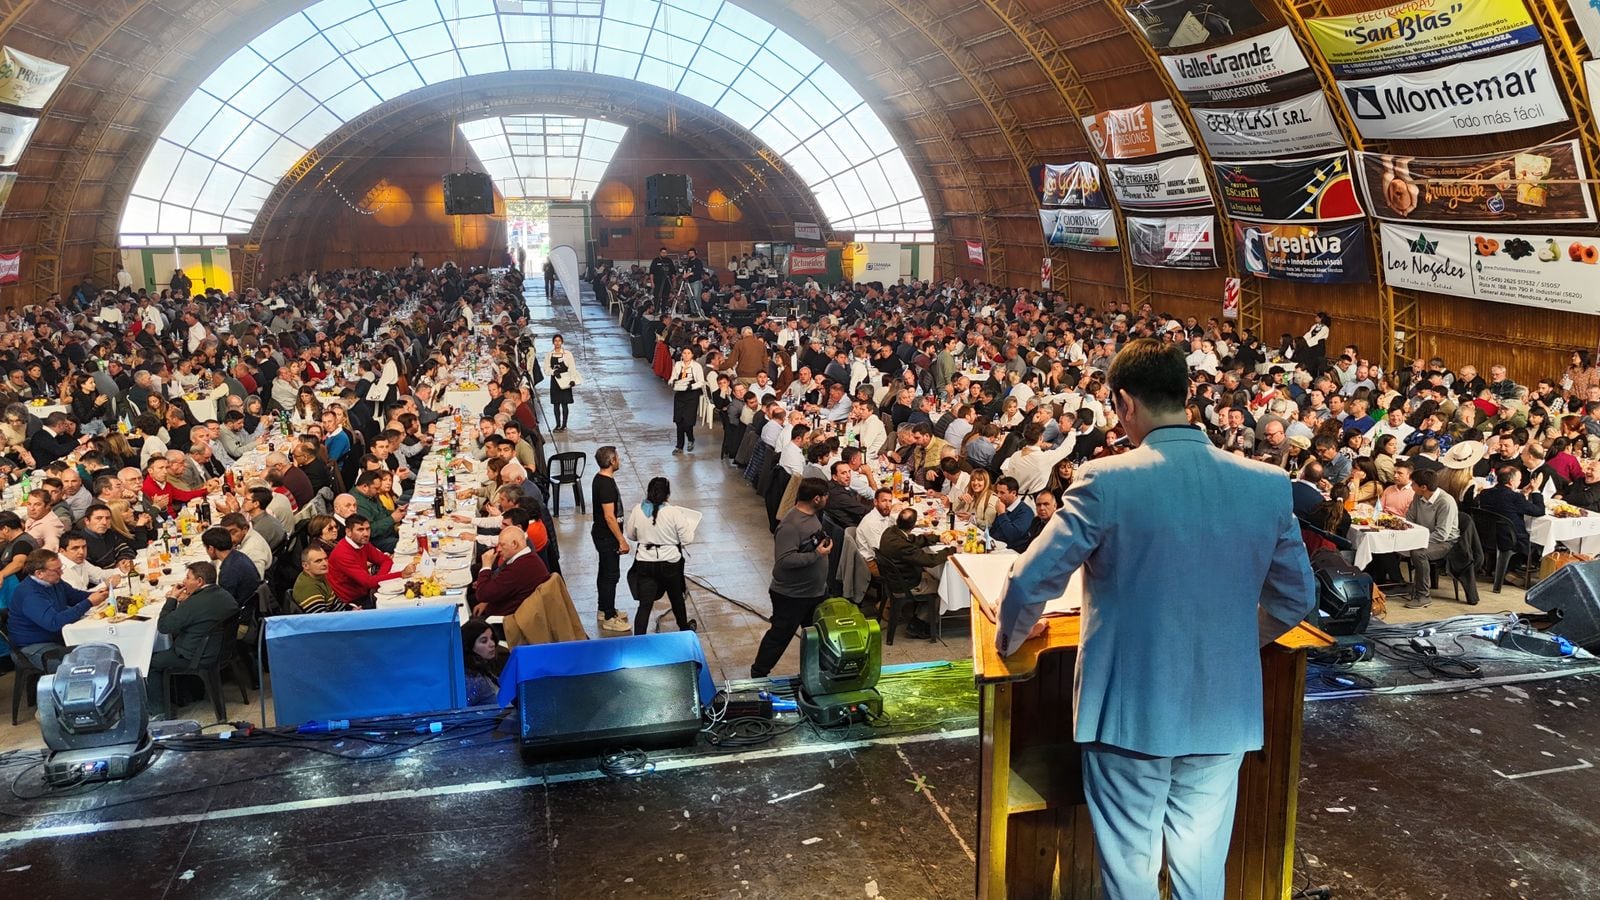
(134, 62)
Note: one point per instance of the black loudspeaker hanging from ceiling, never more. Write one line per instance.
(468, 194)
(669, 195)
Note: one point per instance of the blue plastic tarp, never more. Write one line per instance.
(608, 655)
(366, 663)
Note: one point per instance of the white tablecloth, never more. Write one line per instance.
(43, 412)
(1581, 534)
(137, 640)
(1368, 543)
(391, 601)
(987, 574)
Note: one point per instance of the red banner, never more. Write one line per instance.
(975, 252)
(1047, 269)
(1230, 298)
(10, 267)
(808, 262)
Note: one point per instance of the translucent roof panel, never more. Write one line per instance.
(271, 102)
(544, 157)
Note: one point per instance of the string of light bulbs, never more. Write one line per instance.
(364, 210)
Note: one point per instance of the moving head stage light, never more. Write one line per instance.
(93, 717)
(841, 655)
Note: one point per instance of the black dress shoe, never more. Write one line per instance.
(918, 629)
(692, 626)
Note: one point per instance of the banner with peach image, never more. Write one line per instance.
(1543, 184)
(1543, 271)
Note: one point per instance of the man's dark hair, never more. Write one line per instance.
(205, 571)
(1009, 483)
(1153, 373)
(811, 490)
(217, 538)
(1427, 478)
(73, 535)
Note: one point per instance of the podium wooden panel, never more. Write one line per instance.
(1034, 834)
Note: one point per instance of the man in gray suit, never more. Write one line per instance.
(1168, 687)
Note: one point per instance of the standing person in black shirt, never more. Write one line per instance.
(609, 542)
(694, 275)
(662, 271)
(799, 573)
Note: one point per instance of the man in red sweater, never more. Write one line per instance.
(356, 567)
(163, 494)
(509, 574)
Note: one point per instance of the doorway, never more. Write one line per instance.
(528, 233)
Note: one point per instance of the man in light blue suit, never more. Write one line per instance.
(1168, 686)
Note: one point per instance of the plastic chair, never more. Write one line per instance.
(27, 674)
(566, 468)
(216, 653)
(898, 601)
(1496, 533)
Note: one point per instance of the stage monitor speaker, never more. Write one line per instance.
(468, 194)
(669, 195)
(1572, 592)
(647, 706)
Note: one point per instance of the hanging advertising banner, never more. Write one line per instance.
(1079, 229)
(1075, 185)
(1047, 272)
(1170, 24)
(1264, 64)
(807, 231)
(1175, 242)
(1419, 34)
(1230, 297)
(1482, 96)
(1300, 125)
(1143, 130)
(1179, 181)
(15, 131)
(1544, 271)
(1540, 184)
(808, 262)
(27, 80)
(1309, 254)
(975, 252)
(1318, 189)
(1587, 15)
(10, 267)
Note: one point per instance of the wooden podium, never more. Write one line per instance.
(1034, 834)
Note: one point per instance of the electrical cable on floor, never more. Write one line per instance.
(627, 764)
(748, 731)
(739, 603)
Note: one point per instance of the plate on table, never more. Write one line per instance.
(394, 587)
(454, 578)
